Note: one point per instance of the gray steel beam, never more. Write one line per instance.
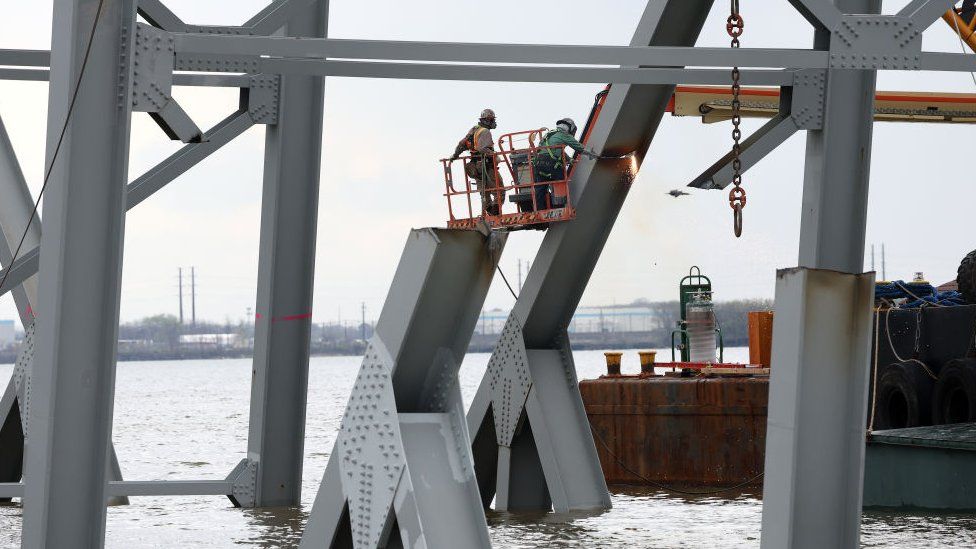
(176, 123)
(461, 52)
(925, 12)
(20, 270)
(25, 58)
(196, 80)
(15, 211)
(818, 388)
(535, 362)
(835, 181)
(188, 156)
(754, 148)
(11, 490)
(817, 404)
(286, 269)
(158, 15)
(73, 377)
(25, 75)
(159, 488)
(276, 14)
(402, 452)
(151, 488)
(820, 13)
(148, 184)
(488, 73)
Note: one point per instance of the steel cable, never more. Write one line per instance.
(57, 148)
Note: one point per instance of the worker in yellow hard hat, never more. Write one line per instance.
(482, 166)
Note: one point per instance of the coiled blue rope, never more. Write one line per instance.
(918, 294)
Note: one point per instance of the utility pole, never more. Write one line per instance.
(193, 296)
(884, 274)
(364, 321)
(181, 295)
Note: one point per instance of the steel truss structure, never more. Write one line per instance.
(407, 469)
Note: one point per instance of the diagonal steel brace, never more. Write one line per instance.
(754, 149)
(145, 186)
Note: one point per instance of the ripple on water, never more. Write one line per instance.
(188, 420)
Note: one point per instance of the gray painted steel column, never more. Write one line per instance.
(286, 268)
(15, 210)
(74, 376)
(821, 352)
(817, 403)
(562, 446)
(835, 181)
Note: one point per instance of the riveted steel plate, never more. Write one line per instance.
(263, 98)
(876, 42)
(809, 94)
(152, 71)
(509, 380)
(370, 448)
(244, 479)
(22, 376)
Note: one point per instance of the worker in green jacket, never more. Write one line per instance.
(549, 163)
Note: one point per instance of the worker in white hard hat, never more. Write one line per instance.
(549, 163)
(482, 166)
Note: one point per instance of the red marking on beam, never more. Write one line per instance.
(292, 317)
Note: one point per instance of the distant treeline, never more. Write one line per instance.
(731, 316)
(161, 337)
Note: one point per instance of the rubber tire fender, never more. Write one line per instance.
(957, 381)
(909, 381)
(966, 277)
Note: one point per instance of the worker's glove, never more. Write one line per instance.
(589, 153)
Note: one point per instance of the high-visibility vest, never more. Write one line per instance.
(473, 139)
(551, 158)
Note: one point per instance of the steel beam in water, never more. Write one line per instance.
(73, 383)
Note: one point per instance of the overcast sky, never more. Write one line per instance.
(381, 176)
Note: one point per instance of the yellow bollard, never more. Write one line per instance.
(613, 363)
(647, 362)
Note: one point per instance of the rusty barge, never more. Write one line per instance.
(697, 423)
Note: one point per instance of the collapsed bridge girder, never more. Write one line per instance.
(535, 440)
(401, 472)
(535, 451)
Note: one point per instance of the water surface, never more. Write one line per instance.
(188, 420)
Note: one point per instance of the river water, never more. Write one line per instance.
(188, 420)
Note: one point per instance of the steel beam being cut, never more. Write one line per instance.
(532, 444)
